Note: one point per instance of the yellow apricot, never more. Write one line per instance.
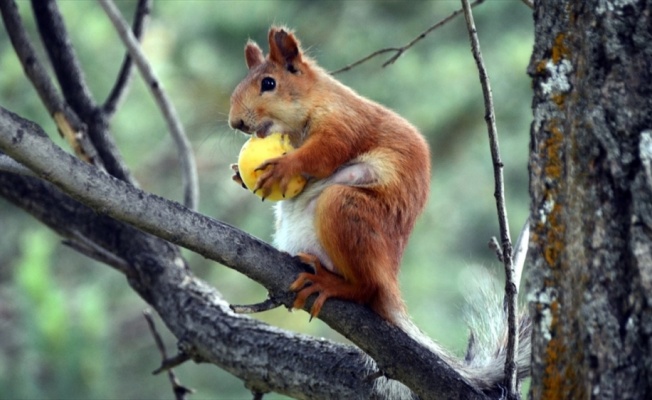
(257, 150)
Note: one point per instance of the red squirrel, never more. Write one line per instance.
(368, 172)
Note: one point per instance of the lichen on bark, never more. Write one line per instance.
(591, 242)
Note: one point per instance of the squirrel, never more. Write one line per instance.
(368, 172)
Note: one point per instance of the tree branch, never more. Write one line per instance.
(73, 85)
(414, 365)
(69, 124)
(184, 149)
(180, 391)
(121, 85)
(400, 50)
(268, 304)
(62, 55)
(511, 290)
(8, 164)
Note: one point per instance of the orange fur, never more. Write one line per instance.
(368, 170)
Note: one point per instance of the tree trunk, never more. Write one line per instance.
(591, 191)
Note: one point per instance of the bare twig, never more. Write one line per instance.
(180, 391)
(511, 290)
(495, 246)
(91, 249)
(184, 149)
(266, 305)
(528, 3)
(124, 76)
(73, 85)
(69, 124)
(400, 50)
(169, 363)
(27, 56)
(367, 58)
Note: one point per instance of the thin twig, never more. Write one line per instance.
(400, 50)
(495, 246)
(367, 58)
(124, 76)
(170, 363)
(528, 3)
(91, 249)
(184, 149)
(180, 391)
(266, 305)
(511, 290)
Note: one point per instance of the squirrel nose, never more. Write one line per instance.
(240, 125)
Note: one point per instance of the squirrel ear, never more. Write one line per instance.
(284, 48)
(253, 55)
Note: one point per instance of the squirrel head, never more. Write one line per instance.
(275, 94)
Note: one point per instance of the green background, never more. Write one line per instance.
(72, 328)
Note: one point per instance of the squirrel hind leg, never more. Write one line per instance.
(360, 237)
(324, 282)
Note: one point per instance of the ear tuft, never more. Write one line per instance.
(284, 48)
(253, 54)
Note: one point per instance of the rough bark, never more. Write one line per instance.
(591, 192)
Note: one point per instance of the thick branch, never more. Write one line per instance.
(69, 124)
(62, 54)
(73, 85)
(415, 366)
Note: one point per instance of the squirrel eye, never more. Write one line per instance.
(267, 84)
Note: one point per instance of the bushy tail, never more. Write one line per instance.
(484, 363)
(486, 351)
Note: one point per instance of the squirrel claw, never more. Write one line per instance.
(236, 175)
(318, 283)
(275, 171)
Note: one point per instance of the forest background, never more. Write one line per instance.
(72, 328)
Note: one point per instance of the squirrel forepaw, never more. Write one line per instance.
(275, 170)
(236, 176)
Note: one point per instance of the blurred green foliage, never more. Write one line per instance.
(72, 328)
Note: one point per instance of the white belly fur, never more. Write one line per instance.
(295, 225)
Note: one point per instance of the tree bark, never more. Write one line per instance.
(591, 191)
